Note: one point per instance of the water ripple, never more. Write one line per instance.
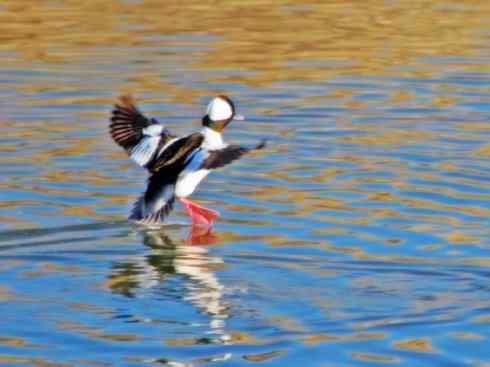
(360, 229)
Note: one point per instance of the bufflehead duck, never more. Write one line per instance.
(176, 164)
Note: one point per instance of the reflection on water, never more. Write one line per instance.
(193, 263)
(358, 233)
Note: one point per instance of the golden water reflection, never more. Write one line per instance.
(364, 223)
(273, 41)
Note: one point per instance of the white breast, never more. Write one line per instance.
(213, 140)
(188, 181)
(190, 177)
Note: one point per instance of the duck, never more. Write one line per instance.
(176, 164)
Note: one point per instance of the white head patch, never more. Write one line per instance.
(219, 109)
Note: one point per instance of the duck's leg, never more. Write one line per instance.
(200, 215)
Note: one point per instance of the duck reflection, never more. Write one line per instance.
(191, 260)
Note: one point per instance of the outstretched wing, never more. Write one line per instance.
(139, 136)
(222, 157)
(175, 156)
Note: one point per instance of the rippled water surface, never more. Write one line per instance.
(360, 236)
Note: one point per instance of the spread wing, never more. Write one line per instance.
(175, 156)
(222, 157)
(139, 136)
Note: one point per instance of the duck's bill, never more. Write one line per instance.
(239, 117)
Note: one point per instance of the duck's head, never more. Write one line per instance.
(219, 113)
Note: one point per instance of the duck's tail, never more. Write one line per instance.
(155, 204)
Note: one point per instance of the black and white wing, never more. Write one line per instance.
(141, 137)
(222, 157)
(175, 156)
(157, 201)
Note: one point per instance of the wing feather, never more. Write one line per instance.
(127, 123)
(174, 157)
(139, 136)
(222, 157)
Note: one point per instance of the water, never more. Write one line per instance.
(358, 237)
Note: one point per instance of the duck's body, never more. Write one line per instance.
(176, 164)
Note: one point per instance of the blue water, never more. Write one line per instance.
(360, 236)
